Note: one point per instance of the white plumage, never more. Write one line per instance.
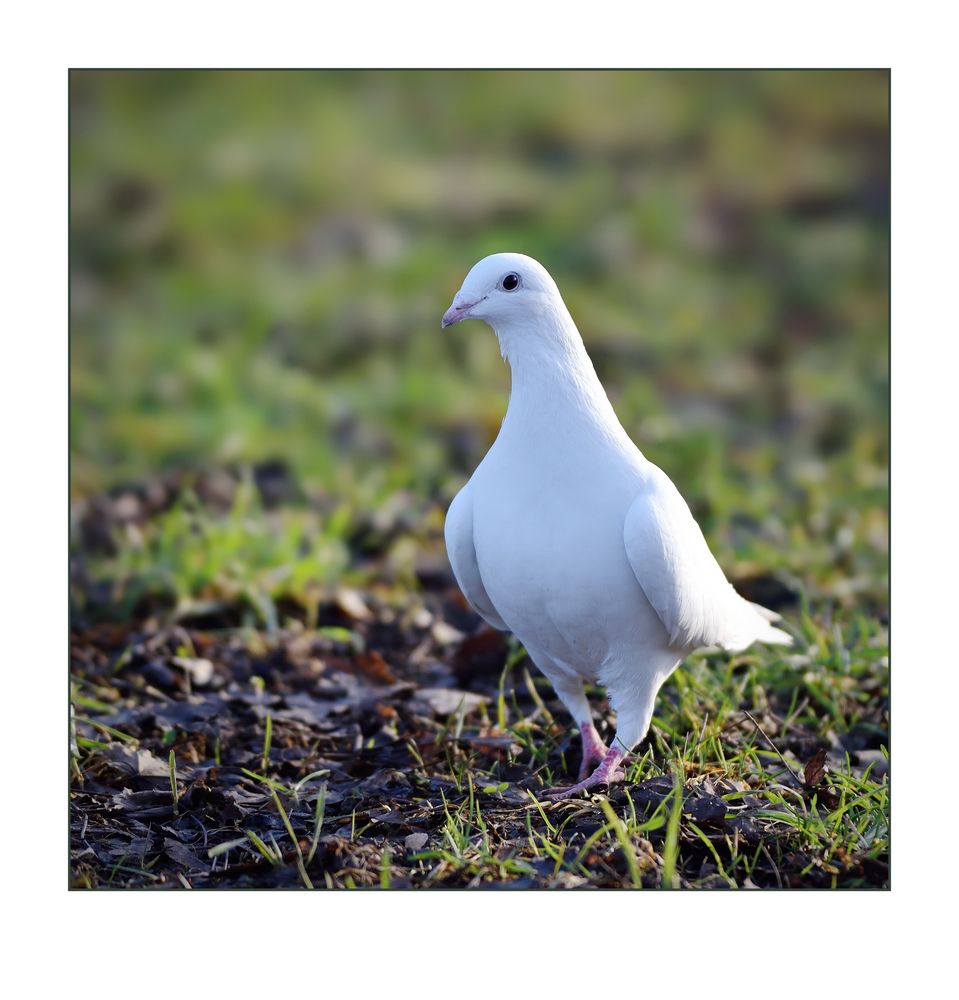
(568, 537)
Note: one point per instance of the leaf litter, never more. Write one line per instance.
(379, 754)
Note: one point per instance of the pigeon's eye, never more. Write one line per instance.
(510, 282)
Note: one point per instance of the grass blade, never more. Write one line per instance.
(619, 829)
(173, 789)
(671, 845)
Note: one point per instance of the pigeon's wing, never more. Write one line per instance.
(462, 555)
(680, 577)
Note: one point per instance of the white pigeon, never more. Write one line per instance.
(568, 537)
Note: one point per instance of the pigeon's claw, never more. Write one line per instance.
(608, 773)
(594, 750)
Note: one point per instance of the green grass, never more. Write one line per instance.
(261, 260)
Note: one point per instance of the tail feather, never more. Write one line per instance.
(769, 633)
(775, 636)
(770, 616)
(753, 624)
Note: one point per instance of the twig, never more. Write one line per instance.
(769, 858)
(773, 745)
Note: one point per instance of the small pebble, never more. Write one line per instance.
(416, 842)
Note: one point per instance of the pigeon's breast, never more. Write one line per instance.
(548, 535)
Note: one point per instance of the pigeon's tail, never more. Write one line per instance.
(769, 633)
(775, 636)
(753, 623)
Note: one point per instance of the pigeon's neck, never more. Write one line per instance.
(553, 378)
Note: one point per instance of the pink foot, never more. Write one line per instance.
(594, 750)
(608, 773)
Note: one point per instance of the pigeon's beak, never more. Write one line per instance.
(460, 309)
(456, 312)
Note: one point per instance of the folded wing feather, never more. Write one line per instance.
(462, 556)
(681, 579)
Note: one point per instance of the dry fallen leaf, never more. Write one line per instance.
(815, 769)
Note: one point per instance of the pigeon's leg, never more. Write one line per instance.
(570, 692)
(632, 721)
(594, 749)
(608, 773)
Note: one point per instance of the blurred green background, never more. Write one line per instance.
(260, 261)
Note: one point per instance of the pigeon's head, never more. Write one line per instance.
(501, 289)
